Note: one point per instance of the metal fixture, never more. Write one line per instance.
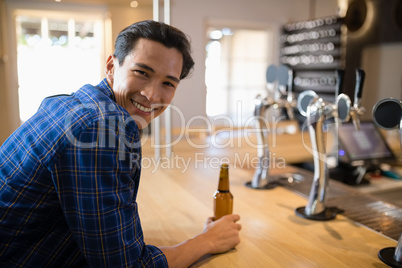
(387, 114)
(317, 112)
(261, 178)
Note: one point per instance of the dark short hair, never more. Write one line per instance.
(160, 32)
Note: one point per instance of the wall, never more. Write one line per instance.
(373, 43)
(9, 116)
(193, 16)
(121, 17)
(383, 67)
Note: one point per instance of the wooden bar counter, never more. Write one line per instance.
(175, 199)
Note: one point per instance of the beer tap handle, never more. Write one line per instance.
(387, 114)
(360, 76)
(357, 110)
(271, 76)
(304, 100)
(289, 99)
(340, 74)
(283, 79)
(290, 86)
(271, 73)
(343, 107)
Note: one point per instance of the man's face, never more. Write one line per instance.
(146, 82)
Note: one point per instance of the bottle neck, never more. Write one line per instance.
(223, 185)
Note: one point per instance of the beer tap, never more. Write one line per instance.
(333, 152)
(346, 172)
(317, 112)
(387, 114)
(392, 256)
(357, 110)
(284, 76)
(286, 80)
(260, 178)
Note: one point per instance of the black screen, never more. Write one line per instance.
(364, 144)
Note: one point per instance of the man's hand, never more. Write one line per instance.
(222, 234)
(217, 237)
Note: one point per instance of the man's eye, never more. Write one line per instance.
(140, 72)
(169, 84)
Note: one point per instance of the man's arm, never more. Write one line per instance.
(218, 236)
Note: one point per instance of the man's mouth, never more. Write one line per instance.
(142, 108)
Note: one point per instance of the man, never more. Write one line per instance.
(69, 176)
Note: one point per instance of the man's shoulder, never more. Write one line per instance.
(76, 112)
(62, 118)
(89, 103)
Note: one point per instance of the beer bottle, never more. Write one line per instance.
(223, 199)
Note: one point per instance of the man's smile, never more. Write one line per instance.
(142, 108)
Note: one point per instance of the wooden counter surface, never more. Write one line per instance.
(175, 200)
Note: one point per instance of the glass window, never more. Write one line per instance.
(57, 32)
(236, 63)
(57, 54)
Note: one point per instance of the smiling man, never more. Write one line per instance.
(68, 186)
(146, 81)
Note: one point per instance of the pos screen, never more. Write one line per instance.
(364, 144)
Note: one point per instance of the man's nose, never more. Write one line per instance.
(152, 92)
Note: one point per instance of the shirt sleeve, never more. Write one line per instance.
(96, 179)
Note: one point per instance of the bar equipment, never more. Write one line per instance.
(332, 155)
(280, 80)
(387, 114)
(345, 172)
(318, 112)
(357, 109)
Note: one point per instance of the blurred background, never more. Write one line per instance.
(52, 47)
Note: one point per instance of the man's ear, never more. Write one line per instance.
(109, 69)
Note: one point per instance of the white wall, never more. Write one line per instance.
(383, 67)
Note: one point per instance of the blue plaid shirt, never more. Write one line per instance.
(69, 178)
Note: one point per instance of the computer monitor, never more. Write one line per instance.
(366, 144)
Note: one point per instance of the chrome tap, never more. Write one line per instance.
(286, 78)
(346, 111)
(317, 112)
(332, 155)
(261, 178)
(387, 114)
(398, 250)
(316, 116)
(357, 110)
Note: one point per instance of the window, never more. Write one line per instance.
(236, 64)
(57, 54)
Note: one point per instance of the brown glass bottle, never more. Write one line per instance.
(223, 199)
